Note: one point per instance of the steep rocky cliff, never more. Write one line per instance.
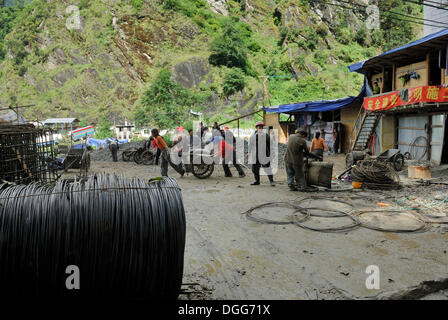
(102, 65)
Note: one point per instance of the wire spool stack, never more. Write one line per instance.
(127, 237)
(376, 175)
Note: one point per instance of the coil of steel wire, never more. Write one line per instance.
(250, 215)
(376, 175)
(319, 211)
(126, 237)
(421, 224)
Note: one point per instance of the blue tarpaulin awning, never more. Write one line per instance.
(317, 106)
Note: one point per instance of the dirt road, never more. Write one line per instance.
(234, 258)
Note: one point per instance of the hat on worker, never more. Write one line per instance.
(259, 123)
(226, 128)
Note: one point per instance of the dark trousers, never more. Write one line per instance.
(114, 151)
(319, 153)
(166, 160)
(158, 153)
(227, 171)
(256, 171)
(226, 166)
(296, 176)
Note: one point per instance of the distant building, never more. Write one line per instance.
(61, 125)
(435, 14)
(124, 131)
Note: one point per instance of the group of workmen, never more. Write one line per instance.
(260, 153)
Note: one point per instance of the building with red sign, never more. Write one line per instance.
(406, 105)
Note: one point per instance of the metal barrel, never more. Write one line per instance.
(320, 174)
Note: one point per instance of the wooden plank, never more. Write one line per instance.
(424, 75)
(394, 70)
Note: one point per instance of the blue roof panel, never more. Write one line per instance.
(357, 67)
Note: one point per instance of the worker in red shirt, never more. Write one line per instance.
(225, 151)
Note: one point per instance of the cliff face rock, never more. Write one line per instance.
(219, 6)
(192, 72)
(105, 66)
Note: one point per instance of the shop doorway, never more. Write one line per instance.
(445, 143)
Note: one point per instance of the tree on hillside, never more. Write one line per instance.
(234, 81)
(229, 49)
(398, 31)
(165, 104)
(103, 130)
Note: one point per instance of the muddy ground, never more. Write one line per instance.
(230, 257)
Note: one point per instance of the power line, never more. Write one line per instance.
(396, 13)
(424, 3)
(385, 12)
(360, 11)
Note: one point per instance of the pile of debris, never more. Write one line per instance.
(106, 156)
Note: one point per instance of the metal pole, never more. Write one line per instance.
(238, 128)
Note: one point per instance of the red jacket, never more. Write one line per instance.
(224, 149)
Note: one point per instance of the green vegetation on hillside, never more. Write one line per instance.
(122, 62)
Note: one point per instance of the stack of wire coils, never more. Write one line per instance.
(104, 236)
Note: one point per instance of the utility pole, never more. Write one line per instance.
(265, 95)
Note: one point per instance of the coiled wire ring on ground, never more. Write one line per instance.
(299, 209)
(341, 213)
(356, 223)
(373, 227)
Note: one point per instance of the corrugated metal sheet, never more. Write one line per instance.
(60, 120)
(409, 129)
(438, 132)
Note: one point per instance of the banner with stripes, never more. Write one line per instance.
(83, 132)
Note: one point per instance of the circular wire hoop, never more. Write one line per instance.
(339, 214)
(298, 209)
(416, 216)
(356, 223)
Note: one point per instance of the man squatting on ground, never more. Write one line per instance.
(295, 151)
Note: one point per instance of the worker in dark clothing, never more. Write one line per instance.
(337, 141)
(200, 131)
(260, 154)
(294, 164)
(113, 147)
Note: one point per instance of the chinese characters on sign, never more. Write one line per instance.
(403, 98)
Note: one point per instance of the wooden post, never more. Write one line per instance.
(238, 128)
(263, 79)
(429, 136)
(427, 69)
(394, 72)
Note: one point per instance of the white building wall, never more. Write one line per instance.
(435, 14)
